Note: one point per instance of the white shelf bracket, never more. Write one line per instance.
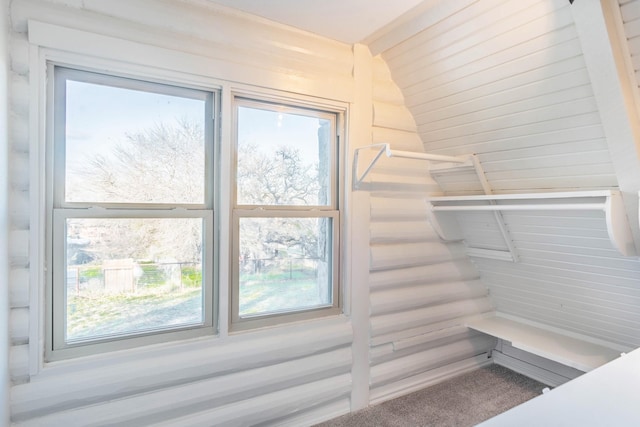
(357, 180)
(506, 236)
(607, 201)
(446, 225)
(385, 148)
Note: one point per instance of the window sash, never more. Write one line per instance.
(248, 322)
(59, 211)
(62, 75)
(285, 108)
(330, 211)
(59, 347)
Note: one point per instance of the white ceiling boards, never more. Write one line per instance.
(346, 21)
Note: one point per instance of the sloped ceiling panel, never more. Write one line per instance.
(507, 80)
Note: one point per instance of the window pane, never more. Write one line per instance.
(133, 146)
(129, 275)
(283, 158)
(284, 265)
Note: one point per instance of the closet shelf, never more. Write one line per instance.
(593, 194)
(607, 201)
(442, 210)
(385, 148)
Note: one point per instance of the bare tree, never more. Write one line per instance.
(279, 179)
(162, 164)
(276, 179)
(165, 164)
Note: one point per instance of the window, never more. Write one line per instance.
(131, 197)
(131, 203)
(286, 217)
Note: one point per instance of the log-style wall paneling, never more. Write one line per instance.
(287, 375)
(257, 385)
(19, 208)
(5, 197)
(422, 289)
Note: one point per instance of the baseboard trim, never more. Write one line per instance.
(426, 379)
(543, 374)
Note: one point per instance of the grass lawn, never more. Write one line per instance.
(95, 315)
(108, 314)
(262, 296)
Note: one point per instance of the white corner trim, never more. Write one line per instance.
(37, 257)
(357, 225)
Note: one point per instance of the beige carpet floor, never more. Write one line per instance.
(463, 401)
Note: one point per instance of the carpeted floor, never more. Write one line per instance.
(462, 401)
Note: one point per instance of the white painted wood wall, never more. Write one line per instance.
(504, 79)
(4, 218)
(507, 80)
(421, 288)
(288, 375)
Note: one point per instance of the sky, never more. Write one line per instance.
(99, 117)
(270, 129)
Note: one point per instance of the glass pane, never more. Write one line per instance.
(130, 146)
(127, 276)
(283, 158)
(285, 265)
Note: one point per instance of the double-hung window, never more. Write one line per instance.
(130, 196)
(286, 217)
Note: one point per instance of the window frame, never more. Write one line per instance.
(332, 210)
(58, 210)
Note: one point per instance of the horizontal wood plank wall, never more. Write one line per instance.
(5, 395)
(266, 54)
(265, 378)
(421, 288)
(292, 374)
(507, 80)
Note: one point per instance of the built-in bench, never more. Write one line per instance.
(568, 350)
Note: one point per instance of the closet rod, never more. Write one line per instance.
(385, 148)
(423, 156)
(532, 207)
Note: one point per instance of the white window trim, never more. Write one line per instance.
(332, 210)
(57, 350)
(238, 323)
(58, 211)
(135, 83)
(64, 45)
